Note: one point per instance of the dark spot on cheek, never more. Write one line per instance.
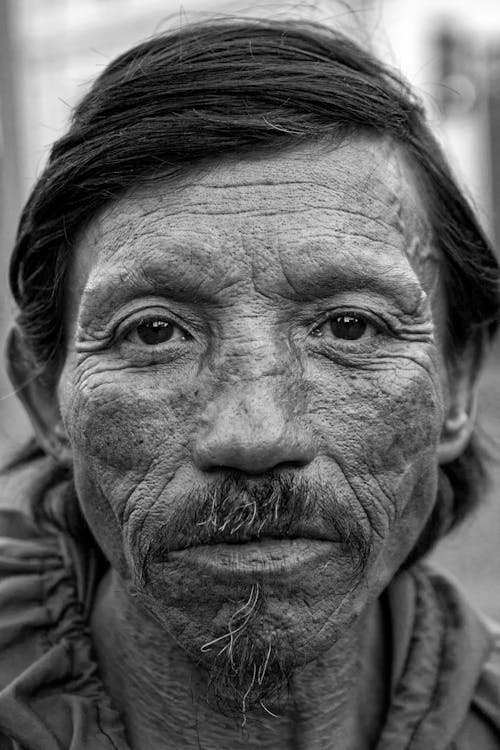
(121, 435)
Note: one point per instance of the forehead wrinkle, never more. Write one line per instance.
(262, 199)
(373, 211)
(332, 192)
(334, 182)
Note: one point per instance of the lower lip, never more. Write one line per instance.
(276, 556)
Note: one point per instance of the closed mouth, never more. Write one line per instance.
(267, 554)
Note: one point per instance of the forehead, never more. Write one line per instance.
(296, 216)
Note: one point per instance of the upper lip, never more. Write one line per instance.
(238, 512)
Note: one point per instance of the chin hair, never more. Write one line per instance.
(247, 671)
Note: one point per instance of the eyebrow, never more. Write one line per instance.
(390, 280)
(171, 279)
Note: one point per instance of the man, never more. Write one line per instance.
(253, 305)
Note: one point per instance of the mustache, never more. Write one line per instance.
(235, 510)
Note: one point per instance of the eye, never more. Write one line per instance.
(348, 326)
(156, 331)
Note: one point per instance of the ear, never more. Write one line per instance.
(36, 388)
(461, 408)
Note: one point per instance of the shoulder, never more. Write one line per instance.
(446, 665)
(481, 729)
(50, 688)
(34, 572)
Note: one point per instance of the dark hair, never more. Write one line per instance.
(233, 87)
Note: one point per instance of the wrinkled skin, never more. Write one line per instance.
(250, 259)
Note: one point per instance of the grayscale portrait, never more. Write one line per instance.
(252, 308)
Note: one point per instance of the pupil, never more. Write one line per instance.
(155, 332)
(348, 327)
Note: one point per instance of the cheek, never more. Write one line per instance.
(129, 438)
(392, 407)
(381, 425)
(127, 422)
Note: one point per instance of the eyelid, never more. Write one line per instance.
(138, 318)
(372, 318)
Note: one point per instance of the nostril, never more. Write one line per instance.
(284, 465)
(251, 457)
(256, 469)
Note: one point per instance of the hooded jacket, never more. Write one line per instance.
(445, 669)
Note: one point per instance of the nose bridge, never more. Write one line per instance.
(253, 351)
(258, 406)
(254, 421)
(256, 376)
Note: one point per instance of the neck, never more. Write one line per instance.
(337, 701)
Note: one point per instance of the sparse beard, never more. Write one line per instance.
(247, 672)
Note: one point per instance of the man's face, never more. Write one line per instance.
(252, 391)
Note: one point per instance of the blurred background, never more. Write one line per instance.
(50, 50)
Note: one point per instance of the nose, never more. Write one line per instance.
(253, 429)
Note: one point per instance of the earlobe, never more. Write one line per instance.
(36, 389)
(457, 429)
